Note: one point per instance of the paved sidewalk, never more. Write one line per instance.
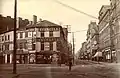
(7, 73)
(6, 69)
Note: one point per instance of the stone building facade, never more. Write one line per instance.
(109, 28)
(115, 21)
(105, 41)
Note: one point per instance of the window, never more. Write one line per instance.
(26, 34)
(34, 34)
(42, 45)
(51, 34)
(8, 37)
(25, 45)
(21, 35)
(56, 33)
(5, 38)
(21, 46)
(46, 34)
(7, 47)
(30, 34)
(2, 47)
(46, 46)
(2, 38)
(51, 45)
(42, 34)
(33, 46)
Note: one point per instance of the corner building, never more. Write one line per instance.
(40, 43)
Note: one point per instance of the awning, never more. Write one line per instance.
(98, 54)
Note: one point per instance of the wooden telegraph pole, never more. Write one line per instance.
(14, 52)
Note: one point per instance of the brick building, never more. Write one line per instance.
(8, 23)
(38, 42)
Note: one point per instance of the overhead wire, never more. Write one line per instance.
(68, 6)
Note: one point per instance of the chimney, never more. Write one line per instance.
(9, 17)
(30, 23)
(34, 19)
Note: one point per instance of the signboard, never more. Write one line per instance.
(47, 39)
(49, 29)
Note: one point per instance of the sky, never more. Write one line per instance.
(57, 13)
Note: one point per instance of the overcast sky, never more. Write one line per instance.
(54, 12)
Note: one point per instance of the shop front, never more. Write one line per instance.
(22, 57)
(47, 57)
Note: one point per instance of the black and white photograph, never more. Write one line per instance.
(59, 38)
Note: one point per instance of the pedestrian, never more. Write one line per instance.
(70, 64)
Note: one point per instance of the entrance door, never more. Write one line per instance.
(8, 58)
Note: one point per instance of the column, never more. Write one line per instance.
(11, 58)
(5, 58)
(54, 46)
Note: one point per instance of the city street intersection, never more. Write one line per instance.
(86, 70)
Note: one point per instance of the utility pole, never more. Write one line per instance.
(116, 20)
(116, 16)
(111, 34)
(15, 24)
(73, 48)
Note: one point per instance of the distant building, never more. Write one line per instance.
(92, 40)
(38, 42)
(83, 51)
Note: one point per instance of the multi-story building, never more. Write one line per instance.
(92, 40)
(109, 32)
(38, 42)
(115, 23)
(104, 32)
(88, 40)
(6, 46)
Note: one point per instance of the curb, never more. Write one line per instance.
(10, 75)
